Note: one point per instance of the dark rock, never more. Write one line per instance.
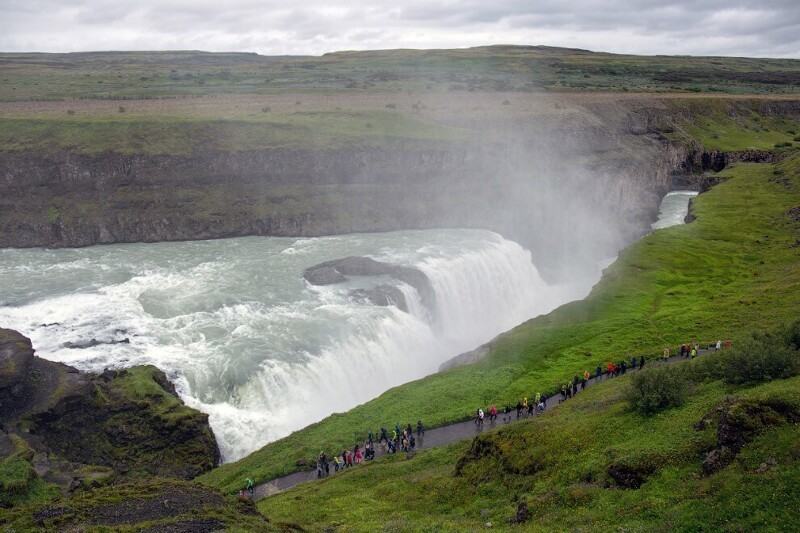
(522, 514)
(717, 459)
(323, 275)
(16, 357)
(93, 342)
(630, 476)
(739, 422)
(364, 266)
(382, 295)
(481, 447)
(766, 465)
(43, 384)
(130, 420)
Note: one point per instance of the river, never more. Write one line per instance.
(248, 341)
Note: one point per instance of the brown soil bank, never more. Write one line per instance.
(570, 177)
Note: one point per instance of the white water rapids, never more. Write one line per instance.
(248, 341)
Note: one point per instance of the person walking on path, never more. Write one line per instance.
(694, 352)
(519, 409)
(384, 436)
(538, 398)
(598, 372)
(718, 347)
(507, 414)
(420, 430)
(633, 362)
(666, 354)
(249, 488)
(641, 362)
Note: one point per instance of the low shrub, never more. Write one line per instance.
(657, 388)
(755, 359)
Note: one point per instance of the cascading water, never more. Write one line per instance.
(243, 336)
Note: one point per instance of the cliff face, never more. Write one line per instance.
(130, 422)
(577, 185)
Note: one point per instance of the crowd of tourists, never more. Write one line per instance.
(400, 440)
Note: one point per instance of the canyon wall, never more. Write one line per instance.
(583, 183)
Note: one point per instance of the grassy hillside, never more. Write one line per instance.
(579, 467)
(563, 466)
(734, 268)
(731, 126)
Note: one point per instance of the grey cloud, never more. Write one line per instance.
(705, 27)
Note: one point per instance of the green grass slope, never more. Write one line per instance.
(733, 269)
(591, 464)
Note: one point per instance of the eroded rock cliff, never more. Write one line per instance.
(131, 421)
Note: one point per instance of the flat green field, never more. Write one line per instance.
(144, 75)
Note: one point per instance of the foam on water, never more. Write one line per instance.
(247, 341)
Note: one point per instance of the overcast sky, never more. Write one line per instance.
(763, 28)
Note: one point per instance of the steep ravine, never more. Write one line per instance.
(579, 186)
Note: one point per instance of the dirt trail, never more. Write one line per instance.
(439, 436)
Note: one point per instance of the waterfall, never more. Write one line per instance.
(247, 341)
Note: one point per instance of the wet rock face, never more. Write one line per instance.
(382, 295)
(129, 420)
(323, 275)
(16, 357)
(133, 422)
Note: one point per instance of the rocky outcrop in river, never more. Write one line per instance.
(336, 271)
